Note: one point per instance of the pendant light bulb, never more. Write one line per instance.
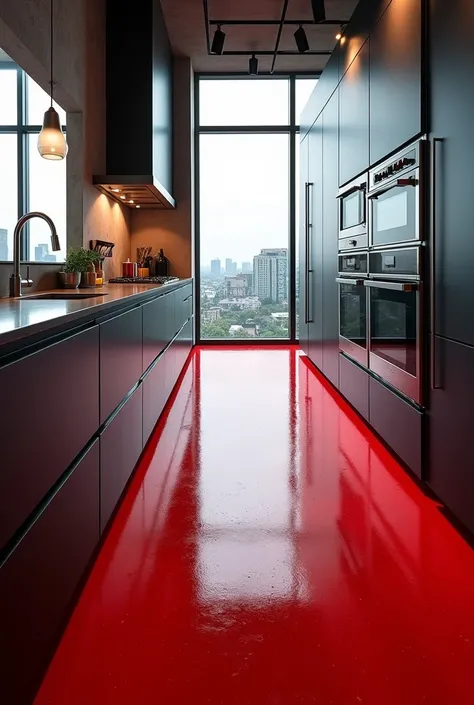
(51, 141)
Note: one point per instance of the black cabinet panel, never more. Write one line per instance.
(156, 390)
(303, 332)
(395, 78)
(121, 444)
(326, 86)
(398, 423)
(315, 274)
(155, 328)
(39, 581)
(121, 361)
(452, 120)
(354, 118)
(354, 385)
(330, 292)
(52, 400)
(451, 469)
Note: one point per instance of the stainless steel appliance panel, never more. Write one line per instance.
(353, 318)
(353, 209)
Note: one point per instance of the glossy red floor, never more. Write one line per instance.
(270, 552)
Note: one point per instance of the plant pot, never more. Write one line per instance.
(88, 280)
(69, 280)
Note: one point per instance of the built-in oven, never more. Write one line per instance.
(353, 270)
(352, 200)
(395, 200)
(395, 319)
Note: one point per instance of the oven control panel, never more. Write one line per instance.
(404, 161)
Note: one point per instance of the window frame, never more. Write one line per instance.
(292, 130)
(22, 130)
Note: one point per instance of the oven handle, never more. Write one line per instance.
(350, 282)
(393, 286)
(400, 183)
(434, 176)
(309, 270)
(362, 187)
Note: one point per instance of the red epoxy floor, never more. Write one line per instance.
(270, 552)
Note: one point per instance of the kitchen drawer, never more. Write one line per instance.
(155, 328)
(156, 390)
(121, 444)
(39, 581)
(121, 358)
(398, 423)
(51, 407)
(354, 385)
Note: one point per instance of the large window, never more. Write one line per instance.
(27, 182)
(247, 144)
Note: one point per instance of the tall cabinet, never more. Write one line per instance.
(451, 471)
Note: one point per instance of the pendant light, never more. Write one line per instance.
(51, 141)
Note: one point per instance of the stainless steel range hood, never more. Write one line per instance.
(139, 107)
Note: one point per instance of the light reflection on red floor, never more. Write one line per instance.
(270, 551)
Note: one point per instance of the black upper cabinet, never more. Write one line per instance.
(52, 398)
(121, 361)
(330, 364)
(354, 117)
(315, 273)
(452, 120)
(326, 86)
(396, 48)
(451, 470)
(39, 580)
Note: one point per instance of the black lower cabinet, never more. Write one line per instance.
(451, 467)
(39, 582)
(121, 444)
(354, 385)
(398, 423)
(155, 395)
(52, 400)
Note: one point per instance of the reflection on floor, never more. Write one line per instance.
(270, 551)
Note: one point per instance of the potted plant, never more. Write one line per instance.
(89, 274)
(70, 276)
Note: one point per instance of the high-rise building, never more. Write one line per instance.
(3, 244)
(216, 267)
(270, 275)
(233, 269)
(40, 252)
(246, 267)
(229, 267)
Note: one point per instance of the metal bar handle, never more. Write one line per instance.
(306, 247)
(350, 282)
(393, 286)
(354, 189)
(400, 183)
(434, 175)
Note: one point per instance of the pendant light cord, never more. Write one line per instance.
(52, 41)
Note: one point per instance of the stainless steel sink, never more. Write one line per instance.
(61, 297)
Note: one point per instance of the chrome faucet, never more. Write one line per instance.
(16, 281)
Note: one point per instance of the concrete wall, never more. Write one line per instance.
(79, 75)
(174, 230)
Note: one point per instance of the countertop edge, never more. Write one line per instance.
(94, 311)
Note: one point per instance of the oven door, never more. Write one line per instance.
(395, 335)
(353, 211)
(395, 212)
(353, 318)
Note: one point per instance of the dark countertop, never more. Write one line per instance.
(24, 317)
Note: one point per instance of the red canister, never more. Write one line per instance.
(127, 268)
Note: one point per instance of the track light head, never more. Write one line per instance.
(301, 40)
(253, 65)
(217, 46)
(319, 10)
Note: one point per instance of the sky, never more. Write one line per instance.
(244, 178)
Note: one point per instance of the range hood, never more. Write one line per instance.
(139, 76)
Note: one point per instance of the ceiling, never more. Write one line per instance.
(187, 32)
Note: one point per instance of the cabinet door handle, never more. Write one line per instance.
(392, 286)
(400, 183)
(434, 176)
(309, 269)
